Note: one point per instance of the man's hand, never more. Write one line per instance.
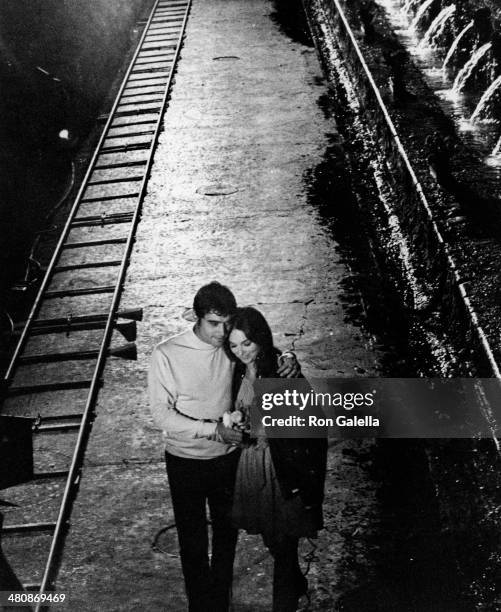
(228, 435)
(288, 366)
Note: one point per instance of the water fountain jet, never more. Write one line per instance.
(464, 74)
(455, 44)
(437, 26)
(408, 4)
(421, 12)
(484, 100)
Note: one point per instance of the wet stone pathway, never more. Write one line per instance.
(228, 200)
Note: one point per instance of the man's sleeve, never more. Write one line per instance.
(163, 396)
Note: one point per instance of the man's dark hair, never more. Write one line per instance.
(216, 298)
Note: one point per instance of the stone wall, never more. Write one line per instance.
(456, 217)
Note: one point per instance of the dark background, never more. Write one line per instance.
(58, 61)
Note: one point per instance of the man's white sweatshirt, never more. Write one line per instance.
(189, 381)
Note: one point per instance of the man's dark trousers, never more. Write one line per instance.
(193, 483)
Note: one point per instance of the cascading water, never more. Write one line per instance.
(408, 5)
(484, 139)
(455, 44)
(421, 12)
(465, 72)
(437, 27)
(484, 100)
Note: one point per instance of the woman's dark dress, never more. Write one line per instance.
(279, 483)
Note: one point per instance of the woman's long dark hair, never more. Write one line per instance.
(252, 323)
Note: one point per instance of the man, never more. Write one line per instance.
(190, 382)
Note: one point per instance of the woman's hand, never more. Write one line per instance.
(229, 435)
(288, 366)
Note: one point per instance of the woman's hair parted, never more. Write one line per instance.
(252, 323)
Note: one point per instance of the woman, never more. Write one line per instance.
(279, 483)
